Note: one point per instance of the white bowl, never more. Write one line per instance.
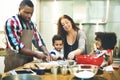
(86, 71)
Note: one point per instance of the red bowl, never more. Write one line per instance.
(89, 59)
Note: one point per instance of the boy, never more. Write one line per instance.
(57, 52)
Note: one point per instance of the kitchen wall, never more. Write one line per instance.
(8, 11)
(92, 15)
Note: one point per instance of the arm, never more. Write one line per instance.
(82, 41)
(33, 53)
(109, 53)
(81, 46)
(13, 32)
(39, 44)
(93, 50)
(53, 55)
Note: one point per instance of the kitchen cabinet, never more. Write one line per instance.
(2, 51)
(2, 43)
(2, 64)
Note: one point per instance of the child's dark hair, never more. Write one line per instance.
(57, 37)
(108, 39)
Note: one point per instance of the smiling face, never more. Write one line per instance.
(26, 12)
(66, 24)
(58, 45)
(98, 44)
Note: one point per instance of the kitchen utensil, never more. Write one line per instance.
(22, 71)
(100, 54)
(22, 77)
(39, 71)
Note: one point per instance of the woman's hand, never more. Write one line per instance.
(71, 55)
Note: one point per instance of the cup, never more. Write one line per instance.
(54, 70)
(64, 70)
(71, 62)
(73, 69)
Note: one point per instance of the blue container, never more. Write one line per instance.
(39, 71)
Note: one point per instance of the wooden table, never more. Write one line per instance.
(114, 75)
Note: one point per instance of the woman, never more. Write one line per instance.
(105, 43)
(75, 39)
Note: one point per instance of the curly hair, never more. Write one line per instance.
(108, 39)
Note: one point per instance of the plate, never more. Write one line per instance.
(84, 74)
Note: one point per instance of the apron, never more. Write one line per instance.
(13, 59)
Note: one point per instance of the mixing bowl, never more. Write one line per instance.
(89, 59)
(86, 71)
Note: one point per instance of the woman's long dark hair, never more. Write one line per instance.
(61, 31)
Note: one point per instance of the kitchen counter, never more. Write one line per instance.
(113, 75)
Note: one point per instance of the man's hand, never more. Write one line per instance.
(40, 56)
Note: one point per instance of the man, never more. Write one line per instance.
(20, 31)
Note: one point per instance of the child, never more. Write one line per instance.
(105, 43)
(57, 52)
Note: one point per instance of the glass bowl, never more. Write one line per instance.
(86, 71)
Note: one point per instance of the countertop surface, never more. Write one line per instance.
(105, 75)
